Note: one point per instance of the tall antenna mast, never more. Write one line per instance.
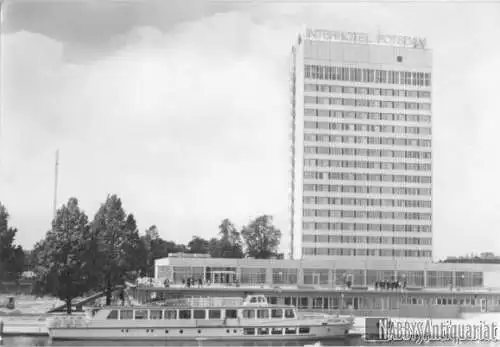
(55, 183)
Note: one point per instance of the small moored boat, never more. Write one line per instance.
(210, 318)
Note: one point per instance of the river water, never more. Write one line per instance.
(44, 341)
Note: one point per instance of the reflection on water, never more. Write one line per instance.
(43, 341)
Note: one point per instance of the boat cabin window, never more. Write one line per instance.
(304, 330)
(184, 314)
(231, 314)
(170, 314)
(263, 331)
(289, 313)
(262, 314)
(199, 314)
(249, 331)
(113, 314)
(290, 331)
(126, 314)
(249, 314)
(214, 314)
(276, 313)
(277, 331)
(155, 314)
(141, 314)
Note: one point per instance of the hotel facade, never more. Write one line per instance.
(361, 151)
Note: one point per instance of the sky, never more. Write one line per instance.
(181, 108)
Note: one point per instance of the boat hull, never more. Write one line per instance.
(320, 332)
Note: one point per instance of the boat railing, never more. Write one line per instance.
(203, 302)
(68, 322)
(215, 302)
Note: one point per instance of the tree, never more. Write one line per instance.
(198, 245)
(229, 245)
(152, 233)
(11, 256)
(261, 238)
(64, 257)
(157, 248)
(119, 251)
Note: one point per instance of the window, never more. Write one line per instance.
(310, 87)
(113, 314)
(141, 314)
(126, 314)
(199, 314)
(277, 331)
(249, 314)
(170, 314)
(304, 330)
(231, 314)
(214, 314)
(278, 312)
(262, 314)
(289, 313)
(184, 314)
(263, 331)
(290, 331)
(249, 331)
(155, 314)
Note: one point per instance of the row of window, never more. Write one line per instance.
(366, 252)
(375, 128)
(367, 214)
(401, 105)
(365, 152)
(375, 302)
(351, 176)
(366, 189)
(366, 227)
(324, 200)
(361, 164)
(353, 74)
(327, 88)
(276, 331)
(378, 116)
(372, 140)
(331, 275)
(385, 240)
(155, 314)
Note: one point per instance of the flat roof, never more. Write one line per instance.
(349, 263)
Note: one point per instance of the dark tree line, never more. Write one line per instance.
(79, 255)
(11, 255)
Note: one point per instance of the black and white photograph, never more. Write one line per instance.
(249, 173)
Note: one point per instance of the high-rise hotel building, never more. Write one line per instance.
(361, 176)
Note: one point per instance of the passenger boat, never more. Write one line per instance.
(210, 319)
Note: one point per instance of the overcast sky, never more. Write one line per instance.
(182, 109)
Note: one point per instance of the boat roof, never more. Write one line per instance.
(251, 301)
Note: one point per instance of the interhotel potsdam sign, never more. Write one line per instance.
(353, 37)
